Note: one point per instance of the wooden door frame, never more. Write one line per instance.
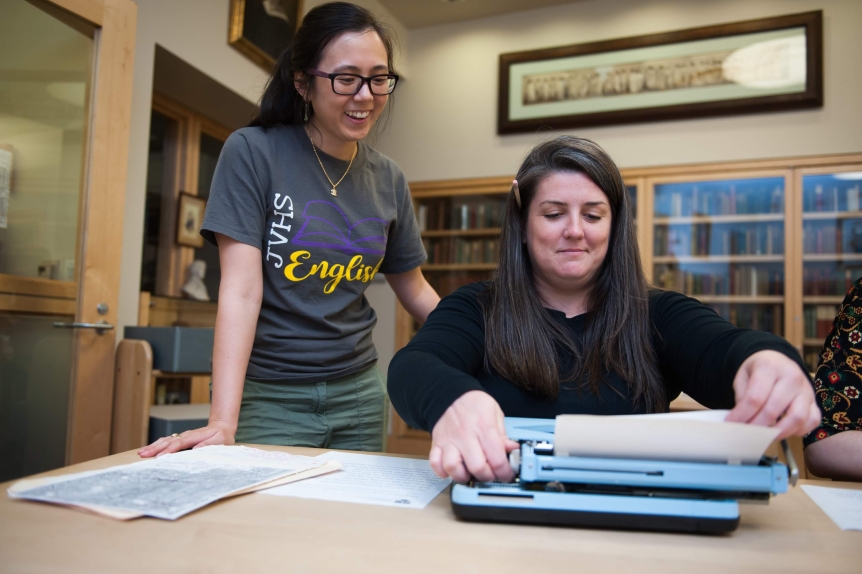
(103, 205)
(182, 162)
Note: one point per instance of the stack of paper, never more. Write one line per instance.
(173, 485)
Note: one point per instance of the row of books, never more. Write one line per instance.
(841, 196)
(824, 280)
(768, 318)
(475, 214)
(818, 320)
(832, 237)
(706, 239)
(458, 250)
(740, 280)
(684, 200)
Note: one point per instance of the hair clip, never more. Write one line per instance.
(516, 192)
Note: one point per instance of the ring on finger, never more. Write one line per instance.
(176, 435)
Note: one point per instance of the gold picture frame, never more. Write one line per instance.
(190, 217)
(262, 29)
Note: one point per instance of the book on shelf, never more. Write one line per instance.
(829, 279)
(759, 317)
(707, 239)
(832, 236)
(819, 320)
(739, 280)
(838, 197)
(726, 198)
(459, 250)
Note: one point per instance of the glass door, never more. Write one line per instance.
(722, 240)
(831, 249)
(63, 146)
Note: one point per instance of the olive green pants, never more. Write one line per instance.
(345, 413)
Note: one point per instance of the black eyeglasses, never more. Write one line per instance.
(350, 84)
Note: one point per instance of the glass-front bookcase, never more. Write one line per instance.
(722, 241)
(831, 248)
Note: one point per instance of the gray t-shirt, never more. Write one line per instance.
(319, 252)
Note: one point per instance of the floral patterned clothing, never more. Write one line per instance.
(838, 381)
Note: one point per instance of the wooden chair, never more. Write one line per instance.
(133, 391)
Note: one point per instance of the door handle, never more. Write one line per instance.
(100, 327)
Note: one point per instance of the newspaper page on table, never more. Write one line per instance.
(371, 479)
(173, 485)
(696, 436)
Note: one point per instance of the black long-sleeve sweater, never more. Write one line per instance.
(697, 352)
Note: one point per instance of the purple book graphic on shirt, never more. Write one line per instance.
(327, 226)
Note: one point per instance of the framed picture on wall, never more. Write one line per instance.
(190, 216)
(262, 29)
(763, 65)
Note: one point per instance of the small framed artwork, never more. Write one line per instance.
(766, 65)
(190, 217)
(262, 29)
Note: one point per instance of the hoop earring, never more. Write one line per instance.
(305, 112)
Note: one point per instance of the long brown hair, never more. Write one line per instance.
(522, 338)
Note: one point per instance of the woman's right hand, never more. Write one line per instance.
(213, 433)
(470, 440)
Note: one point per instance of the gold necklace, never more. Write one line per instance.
(332, 191)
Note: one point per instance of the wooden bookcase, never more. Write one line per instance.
(768, 244)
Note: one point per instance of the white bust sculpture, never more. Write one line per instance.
(195, 287)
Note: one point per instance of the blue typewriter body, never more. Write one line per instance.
(617, 493)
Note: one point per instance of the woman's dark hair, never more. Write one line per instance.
(522, 339)
(281, 103)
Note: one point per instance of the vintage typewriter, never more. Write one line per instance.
(618, 493)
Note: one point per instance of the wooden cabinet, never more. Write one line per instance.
(770, 245)
(721, 238)
(831, 246)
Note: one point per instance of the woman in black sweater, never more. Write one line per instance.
(569, 325)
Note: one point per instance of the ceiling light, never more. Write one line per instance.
(849, 175)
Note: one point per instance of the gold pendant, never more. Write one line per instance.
(333, 192)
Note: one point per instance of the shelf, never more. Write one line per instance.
(814, 299)
(459, 267)
(718, 259)
(461, 232)
(743, 218)
(765, 299)
(813, 342)
(832, 257)
(832, 215)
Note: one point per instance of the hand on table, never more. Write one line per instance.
(771, 390)
(213, 433)
(470, 440)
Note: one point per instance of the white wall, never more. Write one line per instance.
(444, 123)
(196, 31)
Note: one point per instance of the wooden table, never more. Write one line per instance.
(255, 533)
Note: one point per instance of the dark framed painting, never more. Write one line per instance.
(262, 29)
(190, 217)
(765, 65)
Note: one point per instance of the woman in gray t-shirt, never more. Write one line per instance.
(304, 215)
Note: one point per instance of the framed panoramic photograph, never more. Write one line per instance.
(190, 217)
(765, 65)
(262, 29)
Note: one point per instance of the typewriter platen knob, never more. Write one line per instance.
(515, 461)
